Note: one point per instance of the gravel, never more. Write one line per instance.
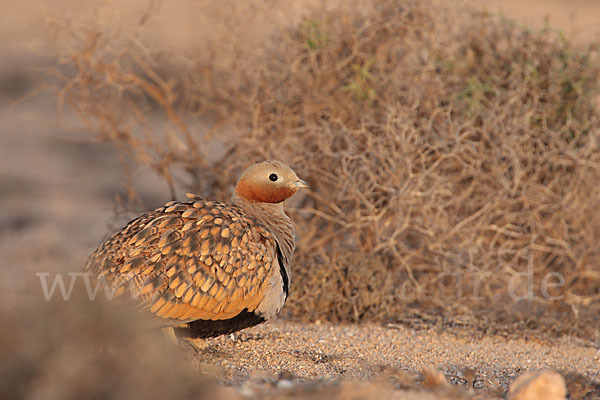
(325, 353)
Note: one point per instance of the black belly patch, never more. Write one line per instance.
(284, 276)
(209, 328)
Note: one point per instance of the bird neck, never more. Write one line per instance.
(273, 217)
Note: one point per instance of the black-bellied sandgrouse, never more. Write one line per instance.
(209, 267)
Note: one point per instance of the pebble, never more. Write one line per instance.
(434, 378)
(285, 384)
(538, 385)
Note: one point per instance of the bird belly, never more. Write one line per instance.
(212, 328)
(274, 296)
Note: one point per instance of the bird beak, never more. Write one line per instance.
(300, 184)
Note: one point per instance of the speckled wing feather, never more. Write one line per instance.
(190, 261)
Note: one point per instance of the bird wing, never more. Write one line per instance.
(190, 261)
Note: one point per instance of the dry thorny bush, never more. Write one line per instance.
(449, 152)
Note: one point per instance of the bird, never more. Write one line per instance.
(208, 268)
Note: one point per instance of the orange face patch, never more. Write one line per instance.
(264, 192)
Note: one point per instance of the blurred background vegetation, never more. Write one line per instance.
(453, 155)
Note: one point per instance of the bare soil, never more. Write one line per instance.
(316, 351)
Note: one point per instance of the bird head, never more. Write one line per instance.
(268, 182)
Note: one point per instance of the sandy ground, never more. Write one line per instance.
(57, 196)
(360, 352)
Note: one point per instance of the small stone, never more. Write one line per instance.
(538, 385)
(434, 378)
(285, 384)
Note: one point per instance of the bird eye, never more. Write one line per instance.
(273, 177)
